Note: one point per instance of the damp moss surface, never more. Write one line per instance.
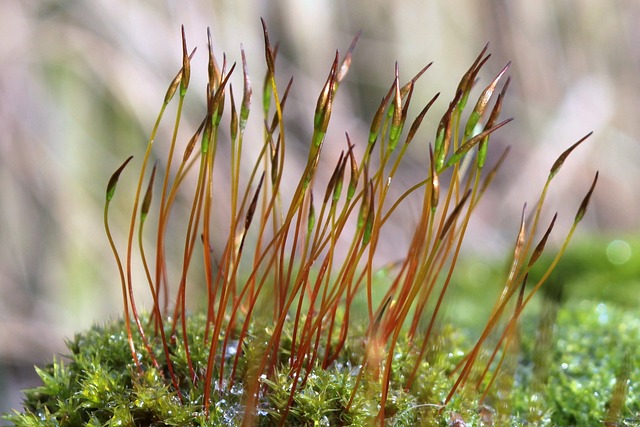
(590, 366)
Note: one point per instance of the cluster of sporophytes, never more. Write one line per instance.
(298, 328)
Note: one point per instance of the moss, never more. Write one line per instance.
(295, 331)
(98, 385)
(593, 347)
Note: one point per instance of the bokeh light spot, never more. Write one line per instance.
(618, 252)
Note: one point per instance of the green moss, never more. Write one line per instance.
(98, 385)
(592, 348)
(593, 343)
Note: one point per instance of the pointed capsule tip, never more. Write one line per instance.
(560, 161)
(113, 181)
(585, 202)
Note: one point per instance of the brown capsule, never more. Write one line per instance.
(173, 86)
(246, 92)
(540, 246)
(404, 89)
(325, 96)
(560, 161)
(346, 62)
(378, 116)
(485, 97)
(113, 181)
(418, 120)
(269, 54)
(212, 67)
(233, 123)
(146, 202)
(396, 121)
(335, 176)
(585, 202)
(186, 66)
(192, 142)
(353, 181)
(456, 211)
(469, 77)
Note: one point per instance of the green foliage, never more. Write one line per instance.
(98, 385)
(593, 342)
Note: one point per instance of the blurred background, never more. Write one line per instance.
(82, 82)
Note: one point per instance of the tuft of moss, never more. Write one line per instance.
(593, 363)
(592, 351)
(99, 385)
(296, 326)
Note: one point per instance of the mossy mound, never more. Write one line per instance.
(590, 376)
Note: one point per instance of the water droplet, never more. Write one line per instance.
(232, 349)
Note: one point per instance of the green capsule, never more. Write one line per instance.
(113, 181)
